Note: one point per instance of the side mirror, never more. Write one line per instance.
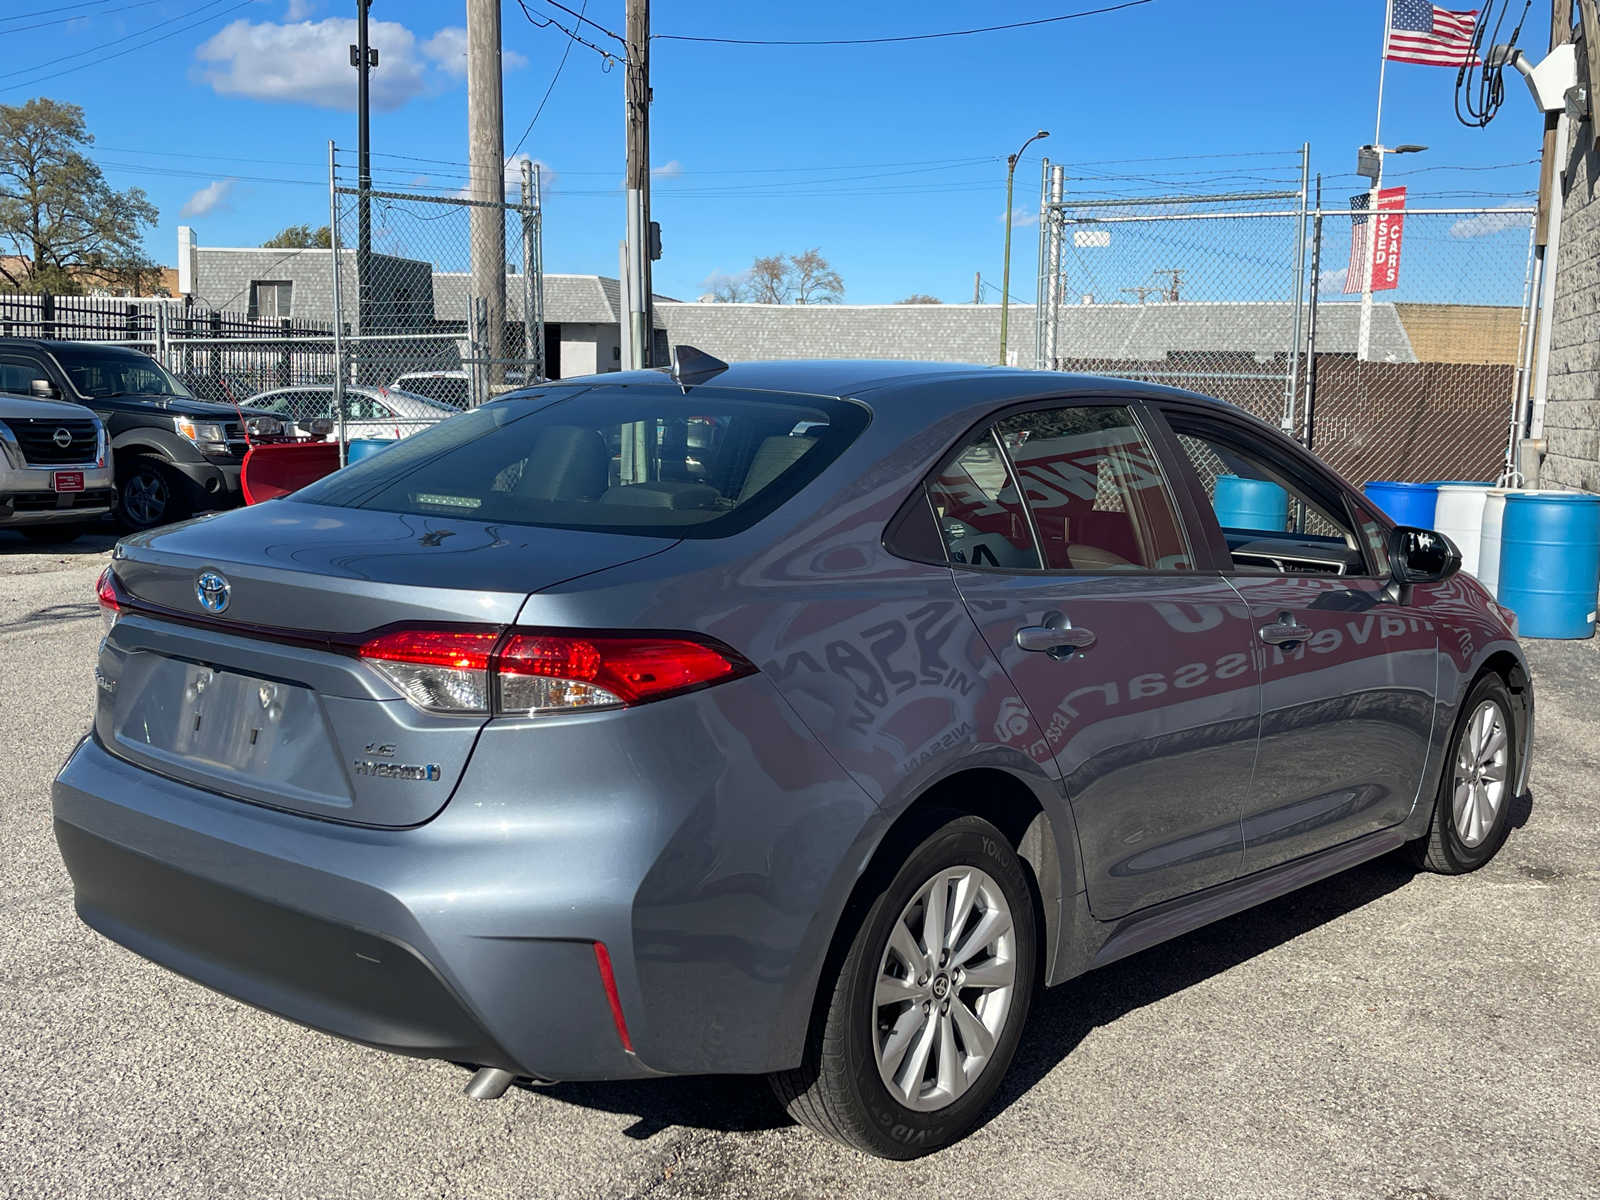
(1421, 555)
(43, 389)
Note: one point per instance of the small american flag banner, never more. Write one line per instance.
(1386, 254)
(1424, 33)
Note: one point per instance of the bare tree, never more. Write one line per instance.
(63, 222)
(769, 280)
(813, 279)
(920, 298)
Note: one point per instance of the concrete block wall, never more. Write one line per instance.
(1572, 413)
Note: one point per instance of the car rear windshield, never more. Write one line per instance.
(613, 459)
(98, 374)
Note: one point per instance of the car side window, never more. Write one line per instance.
(1274, 519)
(1095, 490)
(980, 511)
(17, 375)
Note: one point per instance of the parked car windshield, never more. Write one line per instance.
(99, 373)
(449, 389)
(614, 459)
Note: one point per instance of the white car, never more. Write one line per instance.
(377, 413)
(455, 387)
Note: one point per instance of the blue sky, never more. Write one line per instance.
(890, 158)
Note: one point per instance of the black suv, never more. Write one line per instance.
(174, 455)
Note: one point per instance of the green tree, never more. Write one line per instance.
(920, 298)
(59, 219)
(300, 237)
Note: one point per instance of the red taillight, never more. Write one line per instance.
(105, 590)
(463, 650)
(546, 671)
(451, 671)
(439, 670)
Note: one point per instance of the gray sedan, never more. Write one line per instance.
(790, 719)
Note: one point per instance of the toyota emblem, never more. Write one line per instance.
(212, 589)
(62, 438)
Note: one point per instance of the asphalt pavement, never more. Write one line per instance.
(1383, 1034)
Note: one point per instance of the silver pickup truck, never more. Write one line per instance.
(55, 469)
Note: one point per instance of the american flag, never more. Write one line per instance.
(1424, 33)
(1358, 243)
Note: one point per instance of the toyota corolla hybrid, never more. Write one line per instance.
(796, 719)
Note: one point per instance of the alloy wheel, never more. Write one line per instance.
(945, 985)
(1482, 762)
(144, 498)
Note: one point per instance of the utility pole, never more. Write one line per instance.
(486, 151)
(977, 287)
(363, 58)
(640, 234)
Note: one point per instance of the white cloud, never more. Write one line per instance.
(1332, 281)
(671, 170)
(308, 62)
(215, 197)
(448, 49)
(299, 10)
(1484, 224)
(1020, 216)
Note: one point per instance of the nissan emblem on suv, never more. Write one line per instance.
(62, 438)
(213, 592)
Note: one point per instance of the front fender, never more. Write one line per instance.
(168, 443)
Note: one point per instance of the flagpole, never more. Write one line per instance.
(1364, 330)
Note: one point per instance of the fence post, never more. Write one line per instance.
(47, 315)
(1292, 384)
(528, 353)
(285, 362)
(130, 314)
(1311, 331)
(214, 355)
(338, 305)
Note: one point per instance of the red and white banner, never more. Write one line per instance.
(1387, 226)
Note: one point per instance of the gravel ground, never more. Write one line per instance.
(1382, 1034)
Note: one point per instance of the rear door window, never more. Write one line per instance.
(1095, 490)
(980, 509)
(617, 459)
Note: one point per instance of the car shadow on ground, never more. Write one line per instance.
(1061, 1019)
(96, 542)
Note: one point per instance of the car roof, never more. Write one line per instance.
(876, 381)
(63, 344)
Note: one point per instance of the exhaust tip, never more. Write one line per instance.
(489, 1083)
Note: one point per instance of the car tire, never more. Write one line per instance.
(1471, 813)
(900, 1077)
(151, 493)
(52, 535)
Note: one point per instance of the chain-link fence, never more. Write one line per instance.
(1418, 379)
(441, 296)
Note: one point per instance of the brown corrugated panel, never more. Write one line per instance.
(1413, 421)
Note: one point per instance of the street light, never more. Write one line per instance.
(1005, 274)
(1369, 163)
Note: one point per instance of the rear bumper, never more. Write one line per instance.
(240, 899)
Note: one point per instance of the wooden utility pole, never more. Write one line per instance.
(486, 152)
(637, 333)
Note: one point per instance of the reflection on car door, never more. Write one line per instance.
(1153, 724)
(1347, 708)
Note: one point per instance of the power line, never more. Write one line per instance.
(915, 37)
(79, 17)
(118, 41)
(43, 12)
(560, 66)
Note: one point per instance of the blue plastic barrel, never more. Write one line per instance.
(1550, 562)
(1405, 503)
(1250, 504)
(360, 448)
